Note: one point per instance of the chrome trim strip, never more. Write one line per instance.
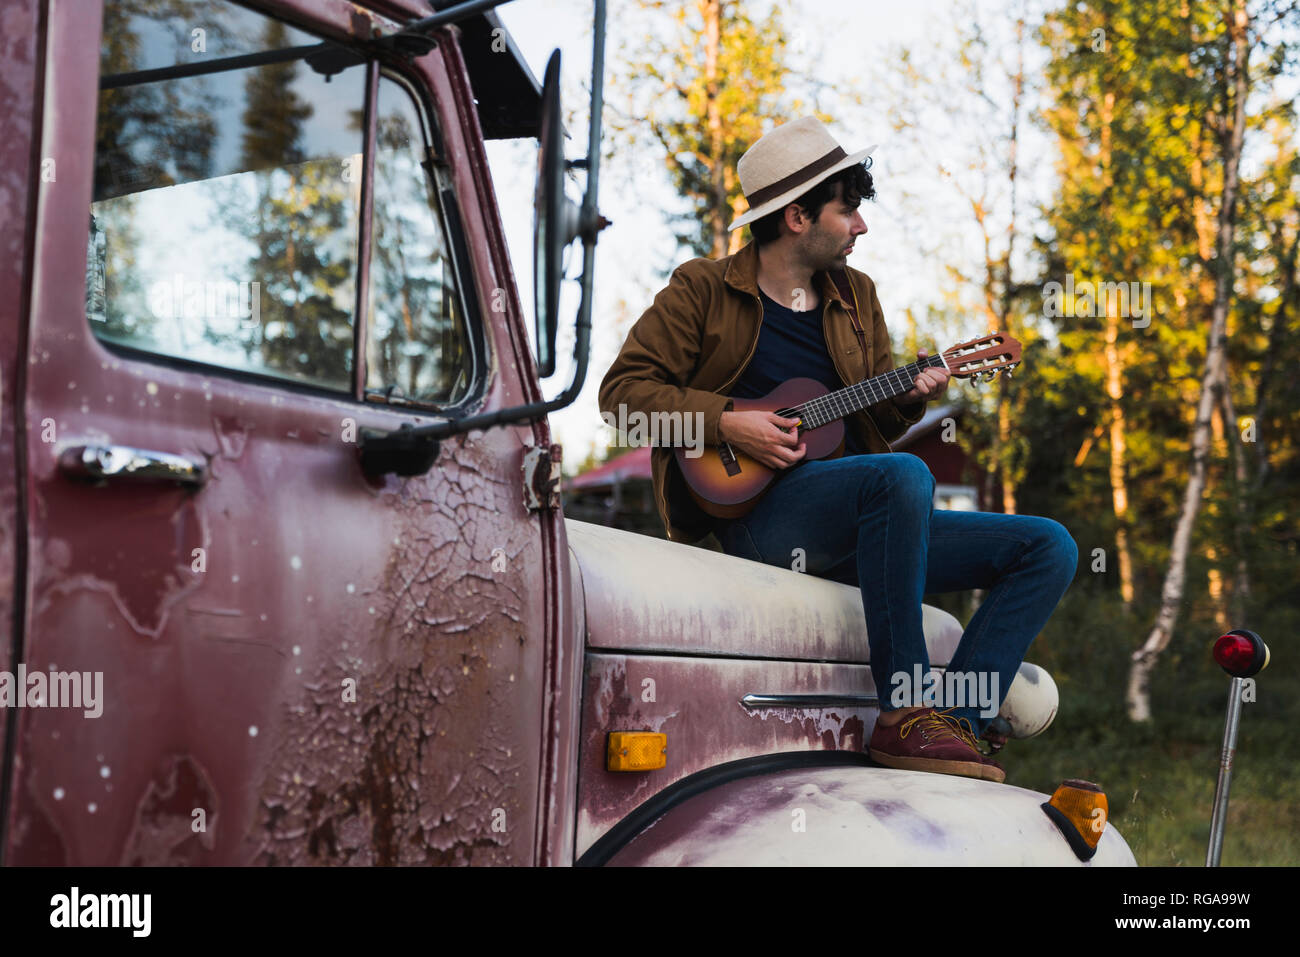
(753, 701)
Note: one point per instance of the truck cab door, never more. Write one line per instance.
(237, 270)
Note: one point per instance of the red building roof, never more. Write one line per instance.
(634, 464)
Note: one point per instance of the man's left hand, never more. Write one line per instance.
(930, 384)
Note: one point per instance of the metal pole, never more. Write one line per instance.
(1220, 815)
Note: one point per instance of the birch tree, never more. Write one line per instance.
(964, 106)
(1231, 127)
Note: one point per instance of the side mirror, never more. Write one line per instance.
(555, 219)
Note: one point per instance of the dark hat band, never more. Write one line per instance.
(787, 183)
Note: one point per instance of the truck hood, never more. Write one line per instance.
(649, 595)
(854, 816)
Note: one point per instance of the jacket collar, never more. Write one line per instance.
(742, 274)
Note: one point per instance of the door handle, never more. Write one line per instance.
(101, 463)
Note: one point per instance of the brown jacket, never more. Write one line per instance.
(698, 336)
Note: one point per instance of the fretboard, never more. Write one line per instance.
(854, 398)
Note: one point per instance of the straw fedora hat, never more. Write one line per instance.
(786, 163)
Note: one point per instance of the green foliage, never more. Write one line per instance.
(1138, 106)
(703, 124)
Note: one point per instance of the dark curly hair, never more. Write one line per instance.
(857, 187)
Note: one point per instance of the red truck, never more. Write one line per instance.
(281, 542)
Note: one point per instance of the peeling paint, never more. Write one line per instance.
(437, 760)
(748, 628)
(697, 705)
(648, 595)
(146, 568)
(391, 782)
(163, 832)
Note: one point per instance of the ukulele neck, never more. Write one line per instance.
(836, 405)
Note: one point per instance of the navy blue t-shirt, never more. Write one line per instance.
(790, 345)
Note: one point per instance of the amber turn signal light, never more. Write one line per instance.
(1079, 809)
(636, 751)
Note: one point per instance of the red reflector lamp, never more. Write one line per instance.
(1241, 653)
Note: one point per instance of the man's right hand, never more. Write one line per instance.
(763, 437)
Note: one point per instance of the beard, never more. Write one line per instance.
(826, 257)
(824, 252)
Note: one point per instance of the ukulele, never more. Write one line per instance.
(727, 483)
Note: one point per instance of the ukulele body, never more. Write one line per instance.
(730, 485)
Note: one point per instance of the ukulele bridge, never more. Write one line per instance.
(728, 459)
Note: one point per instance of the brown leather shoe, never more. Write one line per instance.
(992, 770)
(930, 740)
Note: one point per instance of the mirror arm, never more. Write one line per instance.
(412, 450)
(451, 14)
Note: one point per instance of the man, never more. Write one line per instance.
(739, 326)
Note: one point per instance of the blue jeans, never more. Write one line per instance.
(870, 521)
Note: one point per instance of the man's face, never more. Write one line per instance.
(827, 242)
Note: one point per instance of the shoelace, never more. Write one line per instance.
(995, 741)
(941, 724)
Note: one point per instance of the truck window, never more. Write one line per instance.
(225, 217)
(417, 343)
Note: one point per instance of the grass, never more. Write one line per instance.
(1159, 777)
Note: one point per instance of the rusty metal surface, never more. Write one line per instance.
(846, 816)
(696, 702)
(541, 478)
(18, 86)
(648, 595)
(660, 599)
(225, 688)
(559, 787)
(556, 589)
